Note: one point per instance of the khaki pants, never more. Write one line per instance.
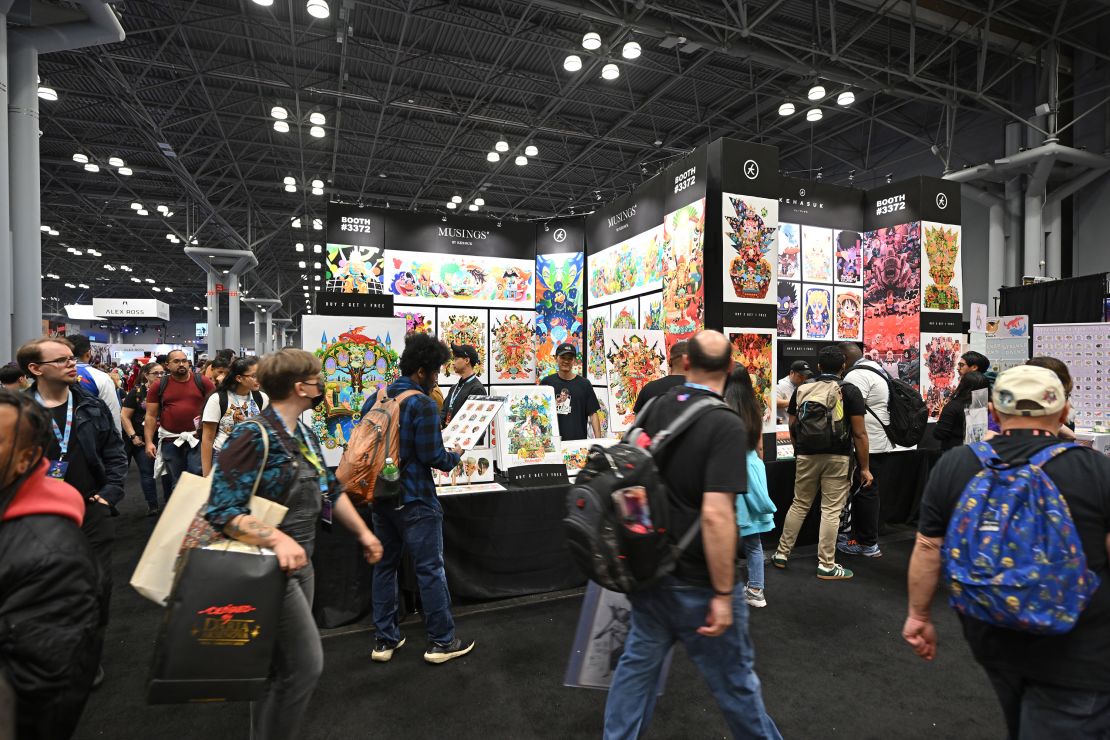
(831, 473)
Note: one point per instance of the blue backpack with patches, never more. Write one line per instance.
(1012, 556)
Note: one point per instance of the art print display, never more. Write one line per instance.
(469, 423)
(749, 248)
(420, 319)
(460, 279)
(628, 269)
(527, 429)
(790, 252)
(475, 466)
(464, 326)
(597, 321)
(789, 322)
(683, 299)
(602, 414)
(1014, 327)
(359, 356)
(474, 488)
(576, 453)
(848, 246)
(625, 314)
(892, 299)
(633, 358)
(558, 306)
(817, 312)
(754, 349)
(939, 354)
(353, 269)
(849, 314)
(941, 271)
(817, 254)
(512, 346)
(1083, 348)
(651, 313)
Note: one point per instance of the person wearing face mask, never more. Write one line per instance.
(48, 581)
(236, 399)
(293, 473)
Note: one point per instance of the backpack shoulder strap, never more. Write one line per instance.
(199, 383)
(662, 438)
(222, 395)
(162, 390)
(985, 454)
(257, 396)
(1048, 453)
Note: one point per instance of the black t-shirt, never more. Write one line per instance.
(854, 405)
(78, 474)
(709, 456)
(136, 401)
(1080, 658)
(575, 403)
(657, 388)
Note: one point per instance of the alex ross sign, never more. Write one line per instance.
(130, 308)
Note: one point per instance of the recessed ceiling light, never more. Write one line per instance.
(786, 109)
(44, 228)
(282, 127)
(493, 157)
(317, 183)
(479, 201)
(162, 208)
(318, 224)
(610, 71)
(142, 212)
(473, 206)
(168, 290)
(156, 289)
(816, 92)
(452, 205)
(290, 188)
(531, 150)
(136, 206)
(80, 158)
(53, 232)
(301, 264)
(591, 41)
(264, 3)
(299, 247)
(289, 180)
(316, 249)
(317, 191)
(572, 63)
(630, 50)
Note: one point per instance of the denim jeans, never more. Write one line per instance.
(672, 612)
(1037, 710)
(146, 478)
(753, 552)
(179, 460)
(418, 528)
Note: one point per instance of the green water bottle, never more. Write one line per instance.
(388, 480)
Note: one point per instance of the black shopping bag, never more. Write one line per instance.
(221, 622)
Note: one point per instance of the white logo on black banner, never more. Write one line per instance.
(560, 235)
(751, 169)
(802, 193)
(942, 201)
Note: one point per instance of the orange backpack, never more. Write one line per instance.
(376, 437)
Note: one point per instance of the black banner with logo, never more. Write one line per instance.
(561, 235)
(626, 217)
(686, 180)
(916, 199)
(749, 169)
(817, 204)
(940, 200)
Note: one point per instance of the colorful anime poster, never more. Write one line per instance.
(359, 356)
(817, 254)
(683, 299)
(512, 346)
(848, 304)
(628, 269)
(1011, 327)
(476, 466)
(597, 321)
(750, 225)
(939, 354)
(353, 269)
(754, 349)
(790, 252)
(625, 314)
(651, 313)
(892, 299)
(789, 323)
(527, 429)
(848, 246)
(464, 326)
(602, 414)
(420, 319)
(558, 306)
(459, 280)
(941, 271)
(633, 358)
(817, 312)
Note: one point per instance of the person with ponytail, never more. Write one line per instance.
(237, 398)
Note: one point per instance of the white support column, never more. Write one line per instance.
(270, 330)
(24, 189)
(232, 338)
(7, 302)
(996, 252)
(1053, 222)
(259, 347)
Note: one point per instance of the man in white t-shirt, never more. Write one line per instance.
(799, 373)
(871, 379)
(97, 382)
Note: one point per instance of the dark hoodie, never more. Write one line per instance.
(49, 643)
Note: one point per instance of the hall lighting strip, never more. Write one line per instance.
(591, 41)
(316, 8)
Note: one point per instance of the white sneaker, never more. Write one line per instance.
(755, 597)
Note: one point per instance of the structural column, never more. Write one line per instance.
(259, 347)
(232, 338)
(996, 253)
(270, 330)
(23, 190)
(215, 341)
(7, 347)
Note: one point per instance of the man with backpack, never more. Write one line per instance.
(698, 604)
(826, 418)
(1037, 519)
(173, 411)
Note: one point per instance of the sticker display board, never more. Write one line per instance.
(633, 358)
(754, 349)
(939, 355)
(749, 227)
(1005, 352)
(469, 423)
(1085, 349)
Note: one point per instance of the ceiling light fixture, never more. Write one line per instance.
(91, 167)
(456, 199)
(318, 224)
(630, 50)
(479, 201)
(317, 191)
(125, 171)
(521, 160)
(816, 92)
(786, 109)
(316, 249)
(279, 111)
(289, 180)
(136, 206)
(572, 63)
(317, 118)
(846, 98)
(299, 247)
(493, 157)
(282, 127)
(473, 206)
(814, 114)
(501, 146)
(296, 223)
(610, 71)
(80, 158)
(115, 162)
(591, 41)
(531, 150)
(290, 188)
(53, 232)
(143, 212)
(48, 93)
(301, 264)
(317, 183)
(452, 205)
(318, 8)
(44, 228)
(162, 208)
(316, 132)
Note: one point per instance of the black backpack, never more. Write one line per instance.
(222, 395)
(821, 425)
(165, 381)
(908, 413)
(601, 544)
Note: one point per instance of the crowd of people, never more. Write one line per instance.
(68, 432)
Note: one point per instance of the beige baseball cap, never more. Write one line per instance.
(1031, 384)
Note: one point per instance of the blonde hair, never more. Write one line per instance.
(279, 371)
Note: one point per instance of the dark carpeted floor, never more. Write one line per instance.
(829, 654)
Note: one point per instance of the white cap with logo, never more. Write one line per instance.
(1027, 390)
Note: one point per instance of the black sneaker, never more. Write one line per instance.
(383, 650)
(443, 652)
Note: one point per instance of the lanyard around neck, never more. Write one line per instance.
(63, 438)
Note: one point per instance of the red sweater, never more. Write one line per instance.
(40, 494)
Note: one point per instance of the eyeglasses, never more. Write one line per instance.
(158, 374)
(71, 360)
(309, 382)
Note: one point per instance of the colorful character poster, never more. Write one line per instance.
(558, 306)
(683, 300)
(849, 314)
(817, 254)
(750, 225)
(602, 414)
(353, 269)
(476, 466)
(790, 252)
(849, 257)
(651, 313)
(939, 355)
(527, 430)
(941, 271)
(754, 349)
(597, 321)
(892, 299)
(421, 319)
(790, 310)
(359, 356)
(625, 314)
(633, 358)
(628, 269)
(512, 346)
(817, 313)
(460, 280)
(464, 326)
(1011, 327)
(576, 453)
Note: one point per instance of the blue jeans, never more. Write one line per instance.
(672, 612)
(753, 552)
(179, 460)
(418, 528)
(146, 478)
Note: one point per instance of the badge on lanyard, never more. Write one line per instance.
(59, 467)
